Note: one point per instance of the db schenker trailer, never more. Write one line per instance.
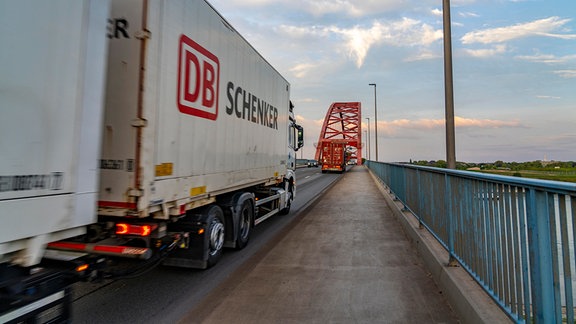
(148, 130)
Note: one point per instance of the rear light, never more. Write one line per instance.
(138, 230)
(123, 251)
(81, 268)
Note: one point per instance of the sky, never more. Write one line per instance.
(514, 72)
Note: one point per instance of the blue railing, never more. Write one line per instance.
(515, 236)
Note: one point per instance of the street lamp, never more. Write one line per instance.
(448, 88)
(375, 119)
(368, 137)
(366, 152)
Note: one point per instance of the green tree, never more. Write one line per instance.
(441, 164)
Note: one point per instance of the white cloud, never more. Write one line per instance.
(486, 52)
(541, 27)
(358, 40)
(460, 122)
(484, 123)
(323, 7)
(568, 74)
(407, 32)
(304, 32)
(320, 8)
(547, 58)
(308, 100)
(437, 12)
(547, 97)
(252, 3)
(468, 14)
(302, 70)
(351, 8)
(423, 55)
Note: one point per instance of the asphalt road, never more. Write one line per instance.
(166, 294)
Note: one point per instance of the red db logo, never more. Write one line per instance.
(198, 79)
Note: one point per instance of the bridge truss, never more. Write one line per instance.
(343, 121)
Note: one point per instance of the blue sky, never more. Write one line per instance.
(514, 67)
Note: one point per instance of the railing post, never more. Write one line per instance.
(420, 200)
(539, 247)
(452, 262)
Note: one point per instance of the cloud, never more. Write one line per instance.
(484, 123)
(547, 58)
(567, 74)
(423, 55)
(486, 52)
(319, 8)
(307, 100)
(468, 14)
(547, 97)
(359, 40)
(303, 32)
(542, 27)
(323, 7)
(302, 70)
(302, 120)
(460, 122)
(437, 12)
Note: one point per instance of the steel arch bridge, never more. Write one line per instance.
(343, 121)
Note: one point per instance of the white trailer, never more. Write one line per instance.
(198, 133)
(167, 142)
(52, 74)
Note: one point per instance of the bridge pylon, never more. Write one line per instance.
(343, 121)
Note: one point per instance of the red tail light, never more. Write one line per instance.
(138, 230)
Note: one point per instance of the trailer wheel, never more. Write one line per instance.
(244, 224)
(215, 234)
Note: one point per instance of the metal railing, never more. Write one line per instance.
(515, 236)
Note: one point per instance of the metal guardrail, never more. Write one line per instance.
(514, 236)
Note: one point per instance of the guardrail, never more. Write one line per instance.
(514, 236)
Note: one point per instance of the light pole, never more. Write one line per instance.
(375, 119)
(366, 154)
(448, 88)
(368, 137)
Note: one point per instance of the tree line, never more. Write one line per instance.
(537, 165)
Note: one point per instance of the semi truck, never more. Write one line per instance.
(333, 155)
(144, 130)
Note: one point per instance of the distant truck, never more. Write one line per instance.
(147, 130)
(333, 155)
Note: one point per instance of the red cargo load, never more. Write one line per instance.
(333, 156)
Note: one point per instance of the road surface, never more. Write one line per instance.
(165, 294)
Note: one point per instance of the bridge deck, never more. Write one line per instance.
(347, 260)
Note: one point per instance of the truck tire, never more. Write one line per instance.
(214, 234)
(290, 191)
(245, 219)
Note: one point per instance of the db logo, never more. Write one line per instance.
(198, 76)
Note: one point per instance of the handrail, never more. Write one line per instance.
(514, 236)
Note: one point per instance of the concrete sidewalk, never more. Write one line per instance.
(347, 260)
